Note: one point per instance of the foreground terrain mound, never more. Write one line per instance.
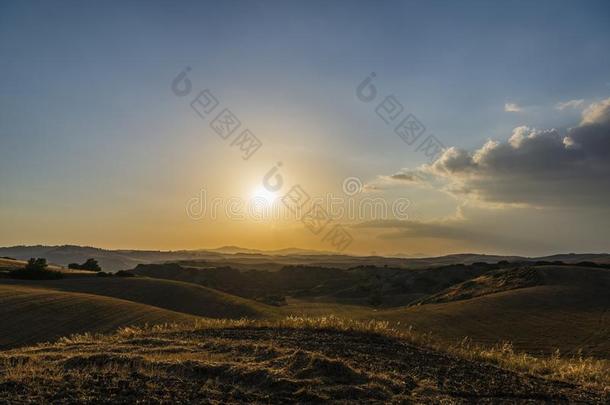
(238, 361)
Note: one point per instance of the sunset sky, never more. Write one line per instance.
(96, 147)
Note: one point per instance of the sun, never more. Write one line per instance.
(261, 193)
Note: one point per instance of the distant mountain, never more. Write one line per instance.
(281, 252)
(579, 257)
(113, 260)
(110, 260)
(234, 250)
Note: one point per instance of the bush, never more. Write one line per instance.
(89, 265)
(36, 269)
(103, 274)
(39, 264)
(124, 273)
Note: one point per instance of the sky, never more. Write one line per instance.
(101, 142)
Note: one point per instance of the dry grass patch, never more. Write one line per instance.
(577, 369)
(291, 360)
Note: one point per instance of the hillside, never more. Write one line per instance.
(31, 314)
(13, 264)
(562, 307)
(537, 308)
(110, 260)
(360, 285)
(291, 361)
(490, 283)
(167, 294)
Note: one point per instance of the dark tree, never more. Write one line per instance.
(90, 264)
(39, 264)
(36, 269)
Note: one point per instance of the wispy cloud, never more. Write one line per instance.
(512, 107)
(406, 176)
(569, 104)
(454, 229)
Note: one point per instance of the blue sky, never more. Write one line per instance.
(86, 113)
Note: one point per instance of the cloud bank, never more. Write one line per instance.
(534, 167)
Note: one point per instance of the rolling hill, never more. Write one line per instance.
(564, 307)
(271, 358)
(171, 295)
(12, 264)
(537, 308)
(33, 314)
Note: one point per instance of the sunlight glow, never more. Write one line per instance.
(262, 193)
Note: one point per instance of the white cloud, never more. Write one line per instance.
(512, 107)
(570, 104)
(597, 113)
(537, 167)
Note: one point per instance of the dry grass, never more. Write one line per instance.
(296, 359)
(578, 369)
(586, 371)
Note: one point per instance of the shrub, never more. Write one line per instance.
(89, 265)
(39, 264)
(124, 273)
(36, 269)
